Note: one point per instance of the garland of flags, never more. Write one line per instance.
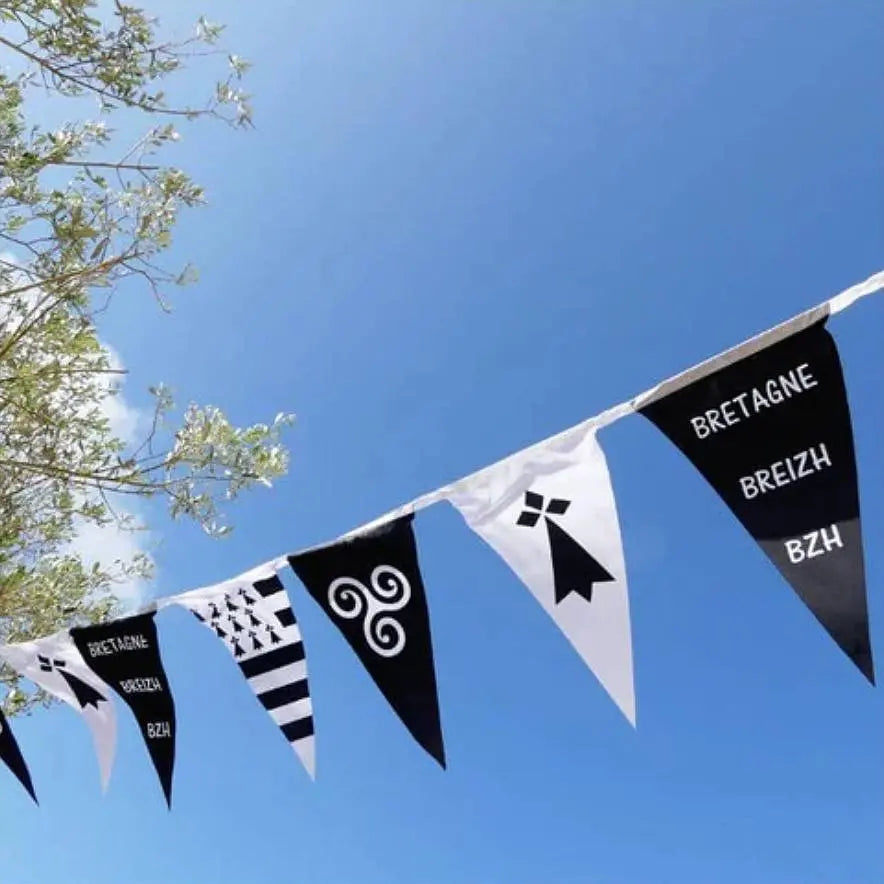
(767, 423)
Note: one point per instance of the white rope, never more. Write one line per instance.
(803, 320)
(833, 305)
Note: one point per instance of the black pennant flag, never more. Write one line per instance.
(12, 757)
(126, 655)
(772, 434)
(371, 588)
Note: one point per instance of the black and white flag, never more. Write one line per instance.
(549, 512)
(251, 614)
(12, 757)
(771, 433)
(55, 664)
(370, 586)
(126, 655)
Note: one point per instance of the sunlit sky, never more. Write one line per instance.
(457, 228)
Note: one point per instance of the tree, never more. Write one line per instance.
(84, 216)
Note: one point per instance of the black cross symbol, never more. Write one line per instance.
(535, 508)
(47, 665)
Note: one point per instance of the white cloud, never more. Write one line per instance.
(110, 543)
(126, 421)
(95, 543)
(107, 544)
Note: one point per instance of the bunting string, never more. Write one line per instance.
(766, 423)
(830, 307)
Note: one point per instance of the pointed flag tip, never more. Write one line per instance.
(627, 709)
(305, 750)
(25, 779)
(866, 667)
(438, 754)
(860, 654)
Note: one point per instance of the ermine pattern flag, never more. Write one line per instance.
(549, 512)
(55, 664)
(251, 614)
(126, 655)
(370, 586)
(12, 757)
(772, 435)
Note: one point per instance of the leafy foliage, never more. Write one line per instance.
(82, 217)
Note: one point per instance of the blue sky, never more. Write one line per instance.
(458, 228)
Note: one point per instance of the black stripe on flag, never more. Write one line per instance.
(285, 616)
(297, 730)
(281, 696)
(274, 659)
(269, 586)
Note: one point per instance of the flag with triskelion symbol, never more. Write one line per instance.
(252, 615)
(370, 586)
(549, 512)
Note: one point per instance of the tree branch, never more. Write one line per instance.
(46, 65)
(89, 164)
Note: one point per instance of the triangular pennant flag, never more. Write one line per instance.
(549, 512)
(771, 433)
(12, 757)
(125, 654)
(55, 664)
(277, 670)
(370, 586)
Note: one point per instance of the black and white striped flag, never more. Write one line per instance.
(252, 615)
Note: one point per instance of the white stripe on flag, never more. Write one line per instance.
(277, 601)
(277, 678)
(292, 711)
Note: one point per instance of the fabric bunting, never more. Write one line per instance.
(55, 664)
(772, 434)
(126, 655)
(767, 424)
(370, 586)
(251, 614)
(549, 512)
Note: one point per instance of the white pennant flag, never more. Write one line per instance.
(549, 512)
(55, 664)
(251, 614)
